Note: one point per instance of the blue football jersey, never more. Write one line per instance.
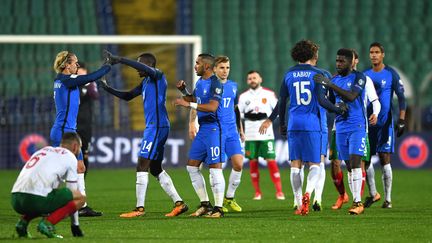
(154, 101)
(229, 99)
(386, 82)
(355, 81)
(206, 90)
(67, 96)
(299, 85)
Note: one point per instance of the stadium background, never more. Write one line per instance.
(254, 34)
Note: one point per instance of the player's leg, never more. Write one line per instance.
(234, 151)
(294, 147)
(215, 158)
(337, 174)
(251, 154)
(26, 211)
(374, 196)
(311, 152)
(385, 148)
(321, 181)
(266, 150)
(198, 153)
(357, 145)
(59, 204)
(319, 186)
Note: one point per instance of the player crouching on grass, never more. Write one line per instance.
(36, 193)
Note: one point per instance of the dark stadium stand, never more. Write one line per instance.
(266, 30)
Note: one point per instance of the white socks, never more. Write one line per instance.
(296, 185)
(312, 179)
(350, 181)
(357, 178)
(141, 188)
(217, 183)
(320, 184)
(387, 178)
(81, 185)
(233, 183)
(168, 186)
(198, 183)
(370, 179)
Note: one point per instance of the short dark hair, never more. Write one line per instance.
(208, 58)
(148, 58)
(70, 137)
(304, 50)
(253, 71)
(348, 53)
(377, 44)
(356, 56)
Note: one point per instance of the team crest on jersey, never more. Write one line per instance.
(205, 91)
(264, 100)
(383, 82)
(247, 102)
(349, 84)
(218, 91)
(361, 82)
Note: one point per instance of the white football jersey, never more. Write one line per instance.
(261, 100)
(45, 170)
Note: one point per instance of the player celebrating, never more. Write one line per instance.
(153, 89)
(256, 104)
(348, 87)
(372, 98)
(386, 81)
(36, 193)
(67, 100)
(231, 127)
(304, 139)
(208, 145)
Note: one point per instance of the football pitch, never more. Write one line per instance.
(113, 192)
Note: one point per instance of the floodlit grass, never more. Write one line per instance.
(113, 192)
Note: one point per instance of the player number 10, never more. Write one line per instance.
(215, 151)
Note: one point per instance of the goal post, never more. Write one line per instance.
(194, 40)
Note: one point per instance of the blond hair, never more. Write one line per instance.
(221, 59)
(61, 59)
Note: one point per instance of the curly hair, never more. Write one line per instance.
(304, 50)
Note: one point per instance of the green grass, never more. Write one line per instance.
(113, 192)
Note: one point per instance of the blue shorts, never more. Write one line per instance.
(153, 143)
(348, 143)
(304, 146)
(233, 144)
(381, 139)
(208, 145)
(56, 135)
(324, 143)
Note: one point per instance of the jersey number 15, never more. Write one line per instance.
(302, 88)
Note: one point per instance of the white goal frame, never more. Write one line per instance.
(194, 40)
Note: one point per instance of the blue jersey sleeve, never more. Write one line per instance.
(216, 89)
(124, 95)
(72, 81)
(398, 88)
(359, 83)
(283, 95)
(154, 73)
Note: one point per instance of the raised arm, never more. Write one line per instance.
(74, 80)
(124, 95)
(345, 94)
